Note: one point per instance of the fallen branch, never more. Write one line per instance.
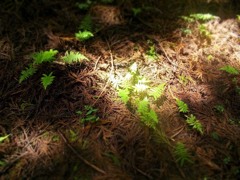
(79, 156)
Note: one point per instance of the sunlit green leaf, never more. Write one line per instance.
(124, 95)
(194, 123)
(2, 138)
(230, 70)
(157, 92)
(182, 106)
(71, 57)
(47, 80)
(203, 17)
(44, 56)
(83, 35)
(29, 71)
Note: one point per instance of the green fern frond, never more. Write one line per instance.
(140, 86)
(29, 71)
(230, 70)
(83, 35)
(157, 92)
(124, 94)
(127, 81)
(71, 57)
(194, 123)
(44, 56)
(85, 5)
(47, 80)
(182, 106)
(152, 119)
(203, 17)
(86, 24)
(143, 106)
(181, 154)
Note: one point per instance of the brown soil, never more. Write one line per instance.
(46, 138)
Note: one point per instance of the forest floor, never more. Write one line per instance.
(155, 96)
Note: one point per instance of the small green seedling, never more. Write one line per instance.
(28, 72)
(227, 160)
(215, 136)
(72, 135)
(194, 123)
(210, 57)
(83, 35)
(238, 17)
(88, 115)
(204, 32)
(182, 106)
(2, 138)
(186, 31)
(39, 58)
(71, 57)
(47, 80)
(183, 79)
(230, 70)
(151, 53)
(202, 17)
(219, 108)
(44, 56)
(198, 17)
(55, 138)
(3, 163)
(136, 11)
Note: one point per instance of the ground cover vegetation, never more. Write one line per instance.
(120, 89)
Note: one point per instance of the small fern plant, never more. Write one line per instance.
(47, 80)
(38, 58)
(86, 24)
(28, 72)
(71, 57)
(85, 29)
(230, 70)
(147, 115)
(191, 120)
(88, 115)
(194, 123)
(182, 106)
(134, 85)
(181, 154)
(83, 35)
(48, 57)
(136, 92)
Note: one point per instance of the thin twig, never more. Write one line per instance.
(178, 132)
(110, 74)
(79, 156)
(169, 60)
(143, 173)
(95, 66)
